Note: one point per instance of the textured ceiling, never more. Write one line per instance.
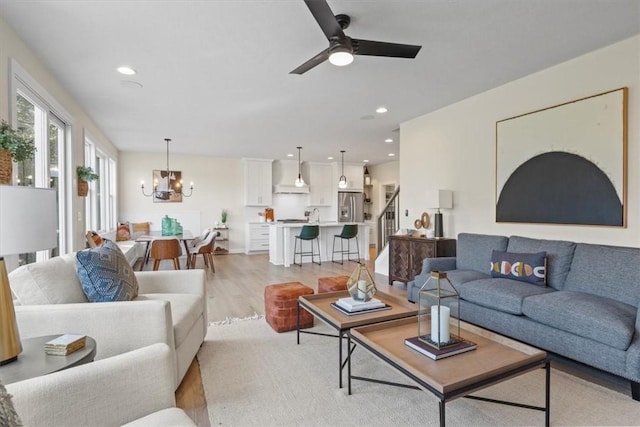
(215, 74)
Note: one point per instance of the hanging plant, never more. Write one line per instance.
(15, 146)
(85, 176)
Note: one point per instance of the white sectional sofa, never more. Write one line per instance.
(170, 308)
(133, 389)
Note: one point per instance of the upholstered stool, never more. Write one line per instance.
(280, 306)
(332, 284)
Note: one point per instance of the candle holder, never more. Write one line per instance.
(360, 284)
(438, 301)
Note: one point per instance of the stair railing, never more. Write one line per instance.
(388, 221)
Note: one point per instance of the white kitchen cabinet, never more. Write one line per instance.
(257, 237)
(322, 192)
(257, 182)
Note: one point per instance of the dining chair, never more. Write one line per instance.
(308, 233)
(162, 249)
(205, 248)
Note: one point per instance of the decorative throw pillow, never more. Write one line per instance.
(123, 232)
(531, 268)
(8, 415)
(93, 239)
(105, 274)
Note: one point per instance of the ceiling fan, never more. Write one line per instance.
(342, 47)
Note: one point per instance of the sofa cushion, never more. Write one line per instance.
(607, 271)
(185, 311)
(458, 277)
(473, 251)
(600, 319)
(105, 274)
(559, 256)
(530, 268)
(505, 295)
(54, 281)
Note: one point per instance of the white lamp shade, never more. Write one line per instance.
(28, 219)
(440, 199)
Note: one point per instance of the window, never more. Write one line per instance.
(100, 208)
(33, 116)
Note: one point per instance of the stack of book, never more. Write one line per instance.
(351, 306)
(65, 344)
(435, 353)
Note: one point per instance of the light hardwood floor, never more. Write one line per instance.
(236, 290)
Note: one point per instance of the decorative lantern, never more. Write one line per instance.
(438, 302)
(361, 285)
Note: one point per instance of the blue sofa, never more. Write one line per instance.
(588, 311)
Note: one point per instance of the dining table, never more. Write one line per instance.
(150, 236)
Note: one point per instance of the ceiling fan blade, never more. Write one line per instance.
(395, 50)
(325, 18)
(316, 60)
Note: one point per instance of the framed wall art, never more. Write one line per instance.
(565, 164)
(169, 186)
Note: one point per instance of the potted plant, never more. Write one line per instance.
(223, 217)
(14, 146)
(85, 176)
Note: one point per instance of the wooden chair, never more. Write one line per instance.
(205, 248)
(162, 249)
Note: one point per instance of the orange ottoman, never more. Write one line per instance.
(332, 284)
(280, 306)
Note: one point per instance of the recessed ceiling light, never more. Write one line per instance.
(388, 140)
(127, 71)
(381, 110)
(365, 161)
(391, 154)
(330, 158)
(289, 155)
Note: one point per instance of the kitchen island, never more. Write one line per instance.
(282, 237)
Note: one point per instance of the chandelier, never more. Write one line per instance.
(167, 190)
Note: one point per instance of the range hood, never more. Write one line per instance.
(285, 173)
(290, 189)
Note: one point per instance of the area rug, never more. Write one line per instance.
(253, 376)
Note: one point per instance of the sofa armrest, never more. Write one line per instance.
(171, 282)
(112, 391)
(117, 327)
(438, 264)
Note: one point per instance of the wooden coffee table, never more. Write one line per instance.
(320, 307)
(496, 359)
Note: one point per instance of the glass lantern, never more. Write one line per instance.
(360, 284)
(438, 302)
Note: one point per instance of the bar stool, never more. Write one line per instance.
(309, 233)
(349, 231)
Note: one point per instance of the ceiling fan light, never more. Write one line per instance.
(340, 57)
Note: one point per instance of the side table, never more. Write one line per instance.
(33, 361)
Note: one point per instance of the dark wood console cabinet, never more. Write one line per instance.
(406, 255)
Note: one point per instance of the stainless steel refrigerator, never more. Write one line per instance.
(350, 207)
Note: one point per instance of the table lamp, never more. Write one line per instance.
(28, 223)
(439, 199)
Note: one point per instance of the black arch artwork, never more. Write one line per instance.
(559, 188)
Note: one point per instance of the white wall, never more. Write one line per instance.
(218, 182)
(12, 47)
(459, 142)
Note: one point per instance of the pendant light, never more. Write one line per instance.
(167, 190)
(342, 182)
(299, 181)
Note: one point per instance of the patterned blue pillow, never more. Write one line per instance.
(105, 274)
(530, 268)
